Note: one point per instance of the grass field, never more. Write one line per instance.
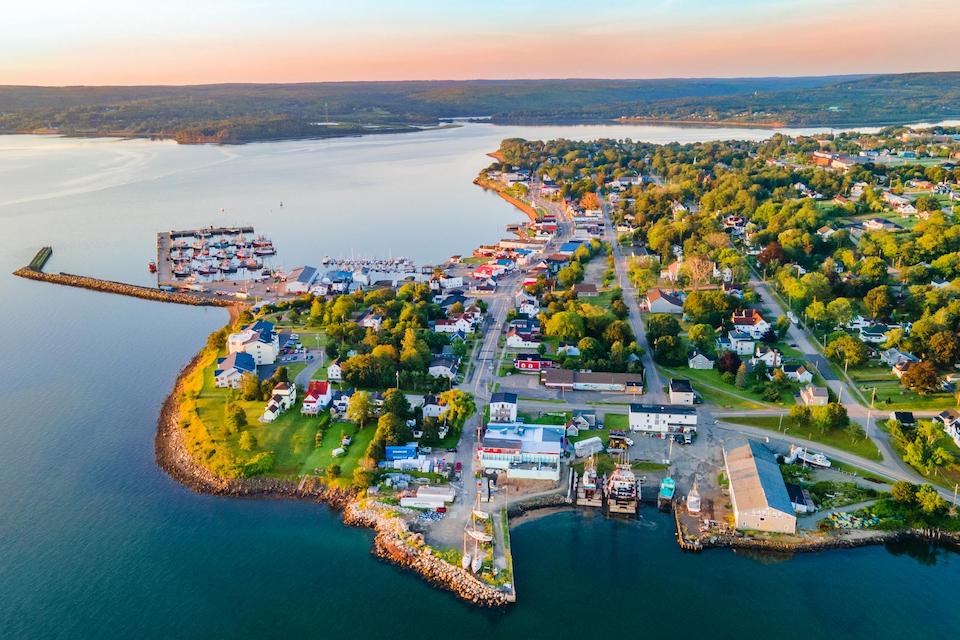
(838, 439)
(891, 395)
(708, 384)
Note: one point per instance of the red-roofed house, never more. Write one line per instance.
(750, 321)
(317, 397)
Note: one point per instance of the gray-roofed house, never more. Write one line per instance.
(300, 279)
(757, 490)
(698, 360)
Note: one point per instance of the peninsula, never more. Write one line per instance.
(759, 337)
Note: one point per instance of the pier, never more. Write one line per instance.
(34, 271)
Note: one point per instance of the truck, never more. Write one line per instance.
(587, 447)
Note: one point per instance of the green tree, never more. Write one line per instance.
(903, 492)
(929, 500)
(801, 414)
(234, 416)
(395, 402)
(703, 336)
(250, 388)
(840, 311)
(248, 442)
(333, 472)
(661, 324)
(878, 301)
(566, 325)
(459, 405)
(944, 348)
(359, 407)
(846, 350)
(741, 380)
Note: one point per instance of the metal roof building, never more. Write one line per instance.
(757, 490)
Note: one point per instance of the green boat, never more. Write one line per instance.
(665, 498)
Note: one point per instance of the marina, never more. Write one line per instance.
(203, 258)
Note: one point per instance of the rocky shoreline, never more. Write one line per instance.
(393, 542)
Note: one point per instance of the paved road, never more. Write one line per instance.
(653, 384)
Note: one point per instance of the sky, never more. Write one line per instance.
(104, 42)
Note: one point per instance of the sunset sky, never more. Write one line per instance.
(61, 42)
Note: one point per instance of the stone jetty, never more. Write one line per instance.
(395, 543)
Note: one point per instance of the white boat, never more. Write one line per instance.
(483, 515)
(802, 455)
(465, 561)
(479, 536)
(693, 499)
(476, 564)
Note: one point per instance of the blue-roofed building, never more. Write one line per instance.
(757, 490)
(569, 247)
(259, 340)
(301, 279)
(230, 370)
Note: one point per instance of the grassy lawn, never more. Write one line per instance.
(863, 473)
(708, 384)
(838, 439)
(322, 457)
(552, 418)
(891, 395)
(616, 421)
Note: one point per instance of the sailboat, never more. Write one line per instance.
(693, 499)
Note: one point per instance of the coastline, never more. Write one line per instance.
(393, 541)
(487, 185)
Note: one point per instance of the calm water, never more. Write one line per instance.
(95, 542)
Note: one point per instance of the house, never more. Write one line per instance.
(879, 224)
(531, 362)
(905, 418)
(257, 339)
(699, 360)
(230, 370)
(528, 305)
(672, 272)
(565, 379)
(797, 373)
(826, 232)
(283, 397)
(341, 399)
(732, 289)
(503, 407)
(950, 419)
(586, 290)
(893, 357)
(530, 452)
(767, 355)
(371, 320)
(681, 391)
(521, 340)
(453, 325)
(334, 372)
(874, 333)
(317, 397)
(901, 368)
(800, 499)
(300, 279)
(585, 418)
(431, 407)
(662, 418)
(814, 396)
(660, 301)
(758, 493)
(444, 367)
(737, 341)
(751, 322)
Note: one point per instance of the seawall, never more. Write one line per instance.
(124, 289)
(395, 543)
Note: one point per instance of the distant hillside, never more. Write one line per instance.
(246, 112)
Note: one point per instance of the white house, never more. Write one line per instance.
(259, 340)
(230, 370)
(739, 342)
(797, 373)
(699, 360)
(660, 301)
(334, 372)
(751, 322)
(503, 407)
(444, 367)
(662, 418)
(520, 340)
(431, 407)
(950, 419)
(875, 333)
(283, 397)
(371, 320)
(453, 325)
(768, 356)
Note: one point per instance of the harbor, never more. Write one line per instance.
(202, 258)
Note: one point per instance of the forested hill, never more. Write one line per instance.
(246, 112)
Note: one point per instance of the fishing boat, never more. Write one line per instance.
(181, 271)
(264, 250)
(621, 489)
(665, 497)
(198, 245)
(152, 266)
(207, 269)
(693, 499)
(261, 241)
(227, 266)
(588, 493)
(252, 264)
(266, 272)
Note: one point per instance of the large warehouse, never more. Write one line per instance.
(757, 490)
